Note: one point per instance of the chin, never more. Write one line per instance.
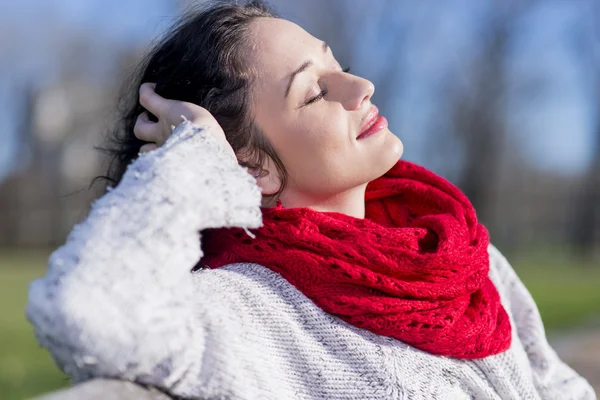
(393, 150)
(384, 155)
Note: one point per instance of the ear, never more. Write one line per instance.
(267, 177)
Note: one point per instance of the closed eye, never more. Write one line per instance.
(323, 92)
(317, 97)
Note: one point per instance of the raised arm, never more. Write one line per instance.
(118, 299)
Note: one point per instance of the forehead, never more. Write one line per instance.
(277, 47)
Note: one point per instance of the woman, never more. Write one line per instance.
(360, 277)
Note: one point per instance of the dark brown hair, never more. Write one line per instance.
(200, 60)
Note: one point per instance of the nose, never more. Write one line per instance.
(351, 91)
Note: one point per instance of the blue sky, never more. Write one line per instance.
(130, 20)
(555, 129)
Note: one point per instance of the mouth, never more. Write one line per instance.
(372, 123)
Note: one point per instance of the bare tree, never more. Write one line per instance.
(10, 188)
(585, 235)
(478, 118)
(478, 113)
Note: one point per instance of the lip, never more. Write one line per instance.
(369, 119)
(372, 124)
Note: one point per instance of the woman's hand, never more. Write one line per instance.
(169, 114)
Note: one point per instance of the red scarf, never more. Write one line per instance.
(415, 268)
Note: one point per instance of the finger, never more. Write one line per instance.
(151, 101)
(146, 130)
(148, 147)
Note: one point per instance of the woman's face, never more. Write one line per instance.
(316, 139)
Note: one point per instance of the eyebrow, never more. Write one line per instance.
(302, 68)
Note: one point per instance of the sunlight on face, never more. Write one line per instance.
(314, 119)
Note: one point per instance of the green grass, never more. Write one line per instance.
(566, 291)
(26, 369)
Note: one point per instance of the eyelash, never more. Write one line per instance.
(323, 92)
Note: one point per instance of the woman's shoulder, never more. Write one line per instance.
(247, 293)
(515, 296)
(263, 307)
(240, 277)
(501, 272)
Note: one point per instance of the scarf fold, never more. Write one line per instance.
(415, 268)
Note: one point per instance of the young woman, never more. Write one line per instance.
(271, 245)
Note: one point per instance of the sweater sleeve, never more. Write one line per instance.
(118, 298)
(553, 378)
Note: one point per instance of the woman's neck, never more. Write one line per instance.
(350, 202)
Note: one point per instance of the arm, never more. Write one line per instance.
(553, 378)
(117, 300)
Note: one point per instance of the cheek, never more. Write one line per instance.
(314, 145)
(318, 152)
(319, 133)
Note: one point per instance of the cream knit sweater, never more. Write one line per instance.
(120, 300)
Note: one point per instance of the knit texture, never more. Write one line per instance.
(119, 301)
(415, 269)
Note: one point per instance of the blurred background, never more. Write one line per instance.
(502, 97)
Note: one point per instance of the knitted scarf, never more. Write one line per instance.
(415, 268)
